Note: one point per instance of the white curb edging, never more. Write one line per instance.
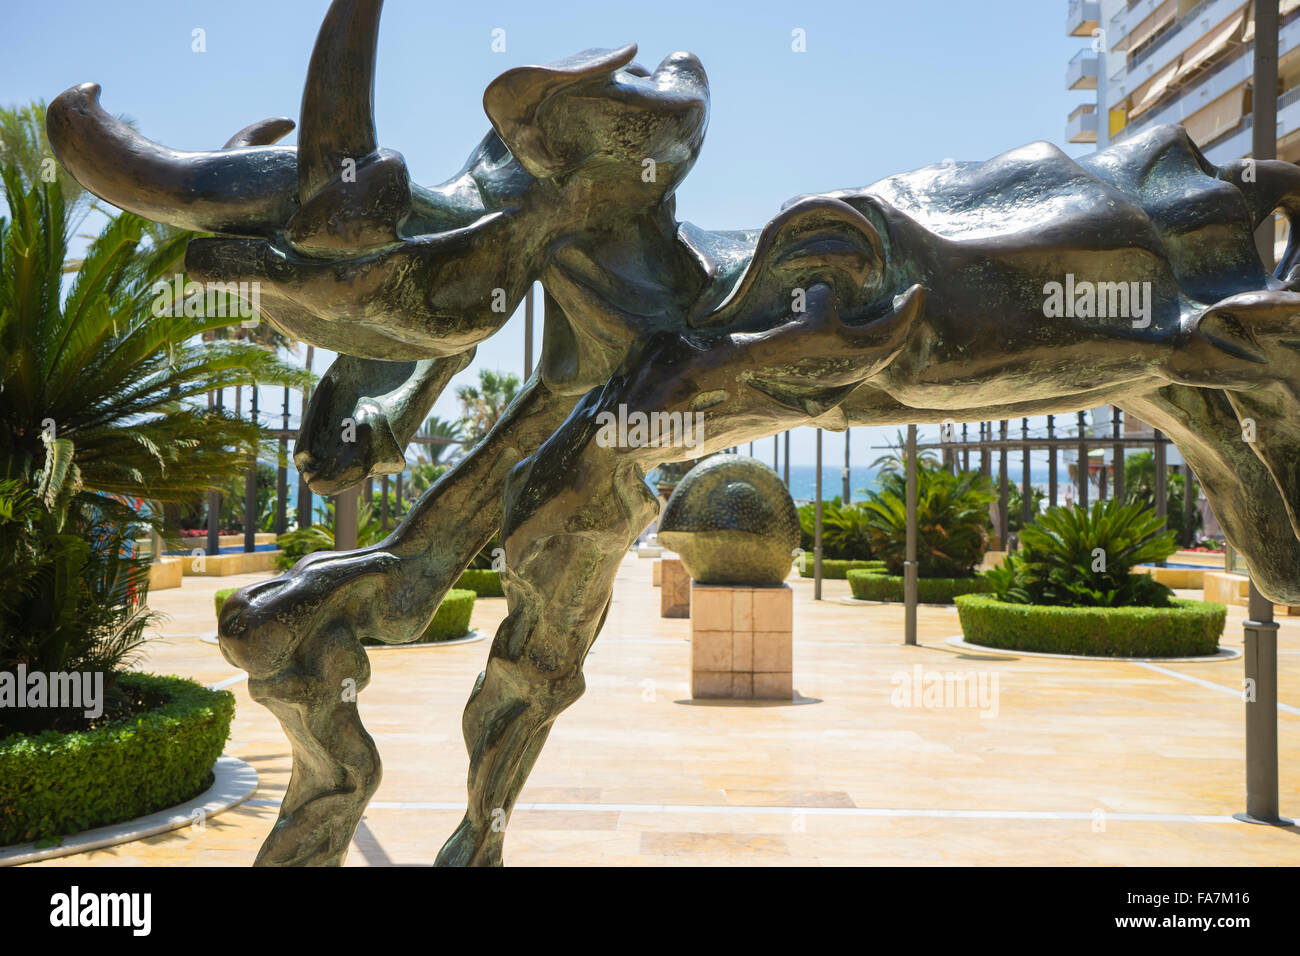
(1223, 654)
(233, 782)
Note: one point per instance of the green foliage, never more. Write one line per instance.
(1182, 629)
(1139, 487)
(834, 569)
(435, 427)
(845, 534)
(297, 544)
(71, 600)
(952, 521)
(873, 586)
(1084, 557)
(102, 396)
(425, 476)
(54, 784)
(219, 599)
(483, 582)
(1015, 504)
(483, 404)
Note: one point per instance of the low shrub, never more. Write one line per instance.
(1183, 629)
(53, 784)
(219, 598)
(837, 568)
(482, 581)
(874, 586)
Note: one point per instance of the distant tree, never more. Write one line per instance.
(481, 406)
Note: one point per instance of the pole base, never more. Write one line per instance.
(1248, 818)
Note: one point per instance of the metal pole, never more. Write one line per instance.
(214, 500)
(1189, 505)
(1051, 460)
(909, 563)
(1263, 136)
(282, 471)
(1117, 453)
(786, 461)
(1026, 478)
(1004, 492)
(848, 493)
(817, 526)
(776, 453)
(383, 504)
(1261, 713)
(250, 488)
(986, 457)
(528, 333)
(965, 451)
(304, 492)
(1083, 462)
(1162, 478)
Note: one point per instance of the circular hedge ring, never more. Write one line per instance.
(1184, 629)
(874, 586)
(53, 784)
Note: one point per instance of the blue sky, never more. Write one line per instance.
(882, 87)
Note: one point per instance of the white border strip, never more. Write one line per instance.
(1223, 654)
(1210, 685)
(233, 783)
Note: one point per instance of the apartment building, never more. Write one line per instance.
(1150, 62)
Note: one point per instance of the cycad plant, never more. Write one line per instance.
(845, 532)
(1084, 557)
(952, 521)
(100, 411)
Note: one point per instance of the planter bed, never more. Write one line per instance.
(1185, 629)
(874, 586)
(53, 784)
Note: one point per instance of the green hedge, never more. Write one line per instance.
(1187, 629)
(53, 784)
(482, 581)
(450, 621)
(838, 568)
(220, 598)
(873, 586)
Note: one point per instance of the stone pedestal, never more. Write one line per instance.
(656, 572)
(742, 642)
(675, 589)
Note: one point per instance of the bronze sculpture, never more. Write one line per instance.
(731, 520)
(934, 295)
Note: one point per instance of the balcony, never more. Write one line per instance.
(1081, 127)
(1082, 72)
(1082, 18)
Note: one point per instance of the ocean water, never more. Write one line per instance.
(803, 480)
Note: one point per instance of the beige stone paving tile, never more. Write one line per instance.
(1069, 735)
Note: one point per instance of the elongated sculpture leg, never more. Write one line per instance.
(572, 510)
(298, 635)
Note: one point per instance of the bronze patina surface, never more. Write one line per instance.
(1028, 284)
(732, 521)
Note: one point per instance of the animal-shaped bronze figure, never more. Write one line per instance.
(1025, 285)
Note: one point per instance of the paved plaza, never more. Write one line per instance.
(1047, 762)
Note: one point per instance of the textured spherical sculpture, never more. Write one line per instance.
(732, 521)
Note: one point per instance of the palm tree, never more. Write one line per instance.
(98, 392)
(482, 406)
(451, 433)
(98, 416)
